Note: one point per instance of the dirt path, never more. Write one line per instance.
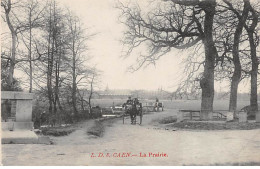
(176, 147)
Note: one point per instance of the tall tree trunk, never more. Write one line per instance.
(50, 65)
(56, 100)
(235, 52)
(58, 80)
(12, 63)
(74, 83)
(30, 50)
(13, 50)
(254, 72)
(255, 62)
(90, 96)
(207, 82)
(234, 87)
(53, 64)
(56, 96)
(57, 91)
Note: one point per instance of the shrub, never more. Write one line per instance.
(168, 120)
(97, 130)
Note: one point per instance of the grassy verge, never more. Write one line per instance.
(167, 120)
(164, 120)
(57, 131)
(214, 126)
(98, 129)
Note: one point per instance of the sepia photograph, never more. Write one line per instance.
(130, 83)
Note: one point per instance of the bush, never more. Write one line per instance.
(97, 130)
(168, 120)
(57, 131)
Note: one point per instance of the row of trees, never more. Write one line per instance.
(48, 44)
(227, 33)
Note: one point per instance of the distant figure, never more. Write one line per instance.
(43, 118)
(129, 101)
(158, 105)
(157, 100)
(128, 104)
(250, 113)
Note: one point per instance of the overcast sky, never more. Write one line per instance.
(101, 16)
(106, 49)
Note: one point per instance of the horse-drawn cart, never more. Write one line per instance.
(133, 110)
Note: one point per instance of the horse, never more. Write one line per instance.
(133, 108)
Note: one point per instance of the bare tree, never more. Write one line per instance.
(189, 85)
(17, 25)
(54, 38)
(175, 24)
(93, 82)
(7, 5)
(253, 41)
(50, 53)
(34, 20)
(247, 18)
(76, 47)
(235, 52)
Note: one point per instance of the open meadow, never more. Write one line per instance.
(174, 104)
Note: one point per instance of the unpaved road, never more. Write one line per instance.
(179, 147)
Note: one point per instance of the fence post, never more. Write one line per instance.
(179, 116)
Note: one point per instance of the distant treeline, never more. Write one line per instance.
(160, 94)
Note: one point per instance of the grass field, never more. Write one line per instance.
(174, 104)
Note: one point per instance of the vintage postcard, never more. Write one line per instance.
(130, 82)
